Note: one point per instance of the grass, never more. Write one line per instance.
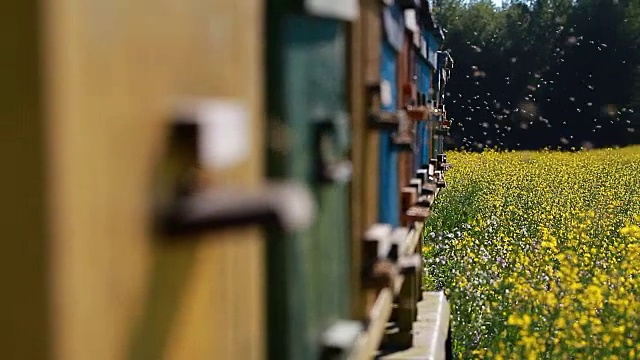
(539, 254)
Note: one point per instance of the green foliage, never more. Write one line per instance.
(545, 69)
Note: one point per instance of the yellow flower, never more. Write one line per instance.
(542, 249)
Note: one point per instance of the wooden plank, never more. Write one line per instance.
(371, 33)
(415, 214)
(24, 318)
(366, 38)
(371, 38)
(414, 246)
(357, 106)
(308, 270)
(407, 299)
(406, 91)
(397, 284)
(407, 310)
(112, 71)
(431, 139)
(405, 286)
(409, 196)
(405, 169)
(413, 241)
(378, 317)
(418, 113)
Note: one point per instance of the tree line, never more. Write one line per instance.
(543, 73)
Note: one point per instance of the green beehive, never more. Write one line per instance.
(309, 140)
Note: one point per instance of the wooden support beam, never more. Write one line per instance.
(416, 213)
(364, 69)
(418, 113)
(430, 330)
(377, 323)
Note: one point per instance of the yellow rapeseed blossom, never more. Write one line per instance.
(540, 254)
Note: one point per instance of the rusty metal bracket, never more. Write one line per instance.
(288, 206)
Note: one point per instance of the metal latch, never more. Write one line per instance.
(403, 138)
(287, 206)
(186, 203)
(377, 118)
(332, 137)
(399, 121)
(340, 340)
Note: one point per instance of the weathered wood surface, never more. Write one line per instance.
(430, 330)
(378, 317)
(92, 87)
(364, 58)
(404, 244)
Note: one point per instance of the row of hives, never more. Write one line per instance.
(202, 179)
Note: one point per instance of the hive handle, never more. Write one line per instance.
(206, 136)
(332, 137)
(288, 206)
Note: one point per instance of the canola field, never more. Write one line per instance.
(539, 254)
